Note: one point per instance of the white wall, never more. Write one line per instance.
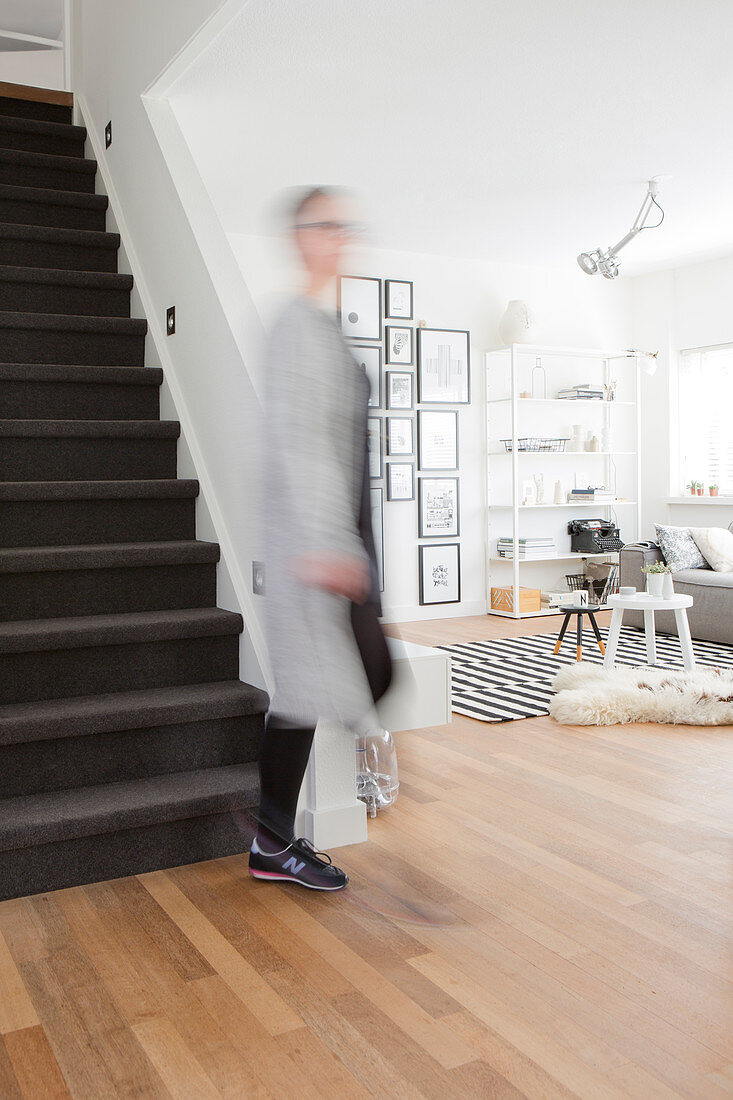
(120, 49)
(455, 293)
(36, 68)
(685, 307)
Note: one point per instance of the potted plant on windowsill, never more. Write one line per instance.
(655, 572)
(700, 488)
(713, 490)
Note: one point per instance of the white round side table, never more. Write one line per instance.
(649, 604)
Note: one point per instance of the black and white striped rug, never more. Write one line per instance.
(509, 678)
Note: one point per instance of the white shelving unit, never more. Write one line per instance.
(509, 416)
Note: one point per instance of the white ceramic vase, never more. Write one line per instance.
(518, 325)
(668, 586)
(578, 438)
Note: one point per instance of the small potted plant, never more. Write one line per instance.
(655, 572)
(713, 490)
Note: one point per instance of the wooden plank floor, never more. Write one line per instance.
(546, 912)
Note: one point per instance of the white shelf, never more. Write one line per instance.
(565, 353)
(526, 614)
(580, 504)
(571, 556)
(579, 454)
(562, 401)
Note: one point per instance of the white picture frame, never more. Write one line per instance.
(439, 509)
(400, 435)
(400, 390)
(401, 481)
(397, 300)
(374, 447)
(440, 573)
(360, 307)
(444, 366)
(437, 440)
(369, 356)
(399, 345)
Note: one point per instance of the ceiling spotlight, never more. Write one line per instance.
(608, 262)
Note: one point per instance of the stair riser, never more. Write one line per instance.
(90, 522)
(59, 179)
(79, 301)
(41, 112)
(93, 670)
(25, 871)
(56, 594)
(51, 216)
(113, 757)
(59, 257)
(81, 459)
(77, 401)
(85, 349)
(56, 144)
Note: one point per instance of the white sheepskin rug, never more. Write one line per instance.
(589, 695)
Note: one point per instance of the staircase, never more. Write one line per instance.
(127, 741)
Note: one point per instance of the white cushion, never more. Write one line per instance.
(716, 546)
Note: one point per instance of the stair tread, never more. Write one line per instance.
(89, 811)
(108, 555)
(104, 280)
(67, 372)
(53, 196)
(48, 161)
(121, 710)
(39, 126)
(34, 635)
(160, 429)
(64, 322)
(152, 488)
(86, 238)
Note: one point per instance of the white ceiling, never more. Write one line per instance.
(43, 18)
(510, 130)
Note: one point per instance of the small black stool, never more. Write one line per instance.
(580, 612)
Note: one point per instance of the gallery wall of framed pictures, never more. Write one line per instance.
(418, 377)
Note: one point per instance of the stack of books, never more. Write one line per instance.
(529, 549)
(600, 496)
(584, 391)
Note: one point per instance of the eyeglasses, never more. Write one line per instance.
(334, 229)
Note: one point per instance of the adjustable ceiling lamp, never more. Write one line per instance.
(608, 262)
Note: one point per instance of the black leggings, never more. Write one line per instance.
(283, 760)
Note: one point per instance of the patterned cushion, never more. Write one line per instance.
(679, 549)
(716, 543)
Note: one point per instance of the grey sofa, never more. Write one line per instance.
(711, 614)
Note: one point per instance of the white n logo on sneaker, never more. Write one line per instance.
(291, 865)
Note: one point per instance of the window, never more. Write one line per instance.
(706, 418)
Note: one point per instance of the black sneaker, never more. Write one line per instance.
(300, 863)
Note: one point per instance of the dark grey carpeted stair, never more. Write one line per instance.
(127, 741)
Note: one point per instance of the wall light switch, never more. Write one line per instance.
(170, 320)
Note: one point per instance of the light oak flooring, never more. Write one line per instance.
(545, 913)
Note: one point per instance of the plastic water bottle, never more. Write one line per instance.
(377, 782)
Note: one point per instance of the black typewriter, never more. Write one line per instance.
(593, 536)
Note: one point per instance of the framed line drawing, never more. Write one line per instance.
(401, 481)
(399, 346)
(443, 357)
(370, 358)
(400, 435)
(437, 434)
(377, 502)
(439, 508)
(397, 300)
(360, 307)
(400, 390)
(374, 446)
(440, 573)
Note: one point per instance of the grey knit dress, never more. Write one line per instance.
(316, 398)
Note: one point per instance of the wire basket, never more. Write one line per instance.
(535, 443)
(597, 590)
(578, 582)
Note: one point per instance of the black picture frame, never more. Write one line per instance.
(369, 356)
(430, 560)
(431, 420)
(392, 442)
(433, 365)
(392, 467)
(376, 501)
(360, 307)
(391, 286)
(394, 345)
(434, 521)
(375, 463)
(394, 376)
